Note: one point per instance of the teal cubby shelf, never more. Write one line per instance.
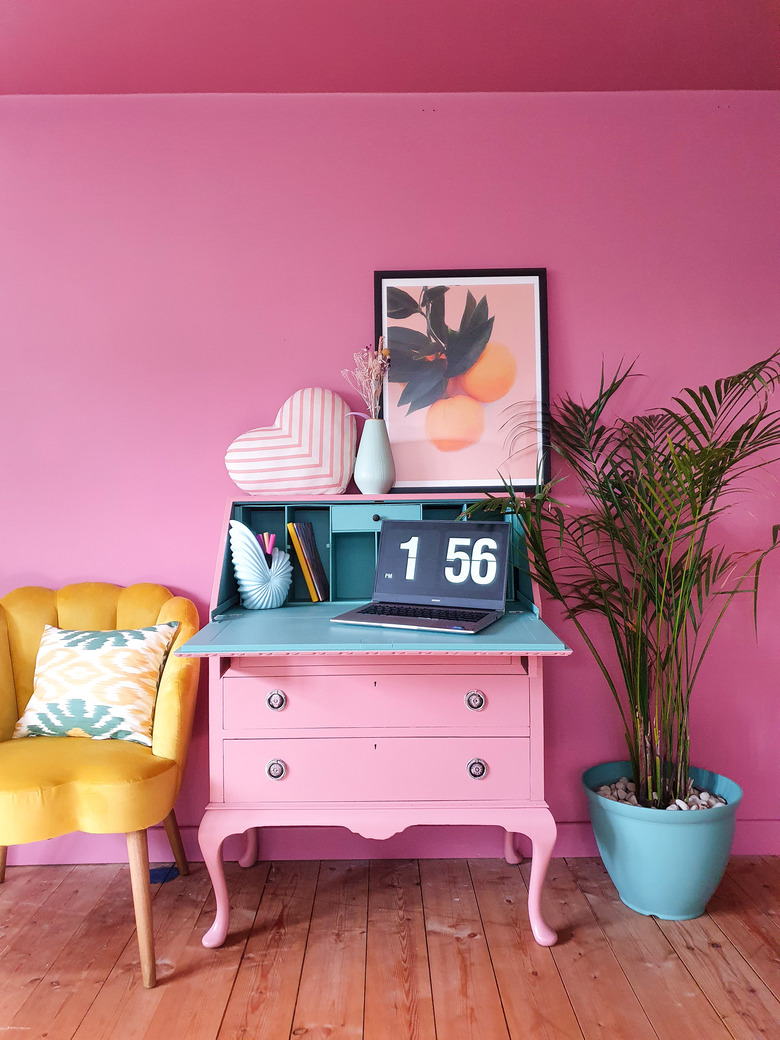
(346, 532)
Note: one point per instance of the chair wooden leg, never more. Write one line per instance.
(174, 839)
(138, 854)
(3, 858)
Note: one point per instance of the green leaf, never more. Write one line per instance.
(404, 369)
(400, 304)
(407, 352)
(402, 341)
(427, 384)
(423, 400)
(433, 295)
(479, 315)
(468, 310)
(425, 374)
(436, 320)
(464, 348)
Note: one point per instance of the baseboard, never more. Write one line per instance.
(752, 838)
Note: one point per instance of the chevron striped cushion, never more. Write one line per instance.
(101, 685)
(309, 449)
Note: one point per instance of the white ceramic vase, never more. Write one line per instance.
(374, 468)
(260, 583)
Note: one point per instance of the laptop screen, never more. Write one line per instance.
(450, 563)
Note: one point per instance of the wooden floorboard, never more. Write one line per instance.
(123, 1008)
(747, 1007)
(76, 975)
(467, 1003)
(34, 945)
(386, 950)
(675, 1006)
(399, 1001)
(600, 993)
(534, 998)
(331, 992)
(265, 992)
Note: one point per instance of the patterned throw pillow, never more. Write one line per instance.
(101, 685)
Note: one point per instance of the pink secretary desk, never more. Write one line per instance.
(315, 724)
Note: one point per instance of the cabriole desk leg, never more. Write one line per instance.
(248, 857)
(210, 838)
(542, 833)
(511, 855)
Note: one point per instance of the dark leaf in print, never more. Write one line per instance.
(400, 304)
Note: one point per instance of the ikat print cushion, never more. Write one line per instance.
(101, 685)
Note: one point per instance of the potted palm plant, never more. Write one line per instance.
(639, 570)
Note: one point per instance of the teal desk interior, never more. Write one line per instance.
(346, 531)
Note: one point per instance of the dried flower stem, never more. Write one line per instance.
(368, 376)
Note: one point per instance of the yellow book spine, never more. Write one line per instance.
(305, 569)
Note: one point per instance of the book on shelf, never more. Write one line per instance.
(302, 538)
(314, 560)
(302, 561)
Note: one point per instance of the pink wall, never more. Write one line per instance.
(166, 266)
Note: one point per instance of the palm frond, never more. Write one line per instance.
(639, 554)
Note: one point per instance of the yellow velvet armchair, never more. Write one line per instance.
(52, 785)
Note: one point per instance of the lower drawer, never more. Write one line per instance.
(360, 769)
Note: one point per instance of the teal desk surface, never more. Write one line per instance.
(306, 628)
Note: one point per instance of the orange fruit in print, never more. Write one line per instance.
(453, 423)
(492, 374)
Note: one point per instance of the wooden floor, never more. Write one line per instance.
(428, 950)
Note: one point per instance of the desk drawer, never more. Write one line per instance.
(358, 769)
(380, 701)
(349, 517)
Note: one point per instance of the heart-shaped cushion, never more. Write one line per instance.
(310, 449)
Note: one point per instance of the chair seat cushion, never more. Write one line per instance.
(53, 785)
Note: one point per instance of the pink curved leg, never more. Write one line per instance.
(210, 839)
(543, 837)
(248, 857)
(511, 855)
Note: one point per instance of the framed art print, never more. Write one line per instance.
(467, 386)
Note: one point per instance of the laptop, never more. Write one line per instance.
(437, 575)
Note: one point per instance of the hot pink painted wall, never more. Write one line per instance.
(167, 274)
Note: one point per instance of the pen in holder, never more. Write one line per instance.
(261, 583)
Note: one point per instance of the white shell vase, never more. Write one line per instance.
(374, 468)
(260, 584)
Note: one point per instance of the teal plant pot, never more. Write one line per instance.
(665, 864)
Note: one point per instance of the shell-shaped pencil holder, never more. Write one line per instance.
(260, 584)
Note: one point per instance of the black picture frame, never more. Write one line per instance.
(437, 325)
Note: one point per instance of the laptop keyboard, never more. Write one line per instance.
(431, 613)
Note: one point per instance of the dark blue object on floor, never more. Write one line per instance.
(159, 875)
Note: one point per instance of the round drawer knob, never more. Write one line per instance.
(477, 768)
(276, 769)
(276, 700)
(475, 700)
(376, 518)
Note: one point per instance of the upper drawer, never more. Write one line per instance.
(358, 517)
(434, 703)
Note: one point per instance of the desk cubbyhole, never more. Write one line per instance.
(319, 518)
(354, 564)
(448, 511)
(264, 518)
